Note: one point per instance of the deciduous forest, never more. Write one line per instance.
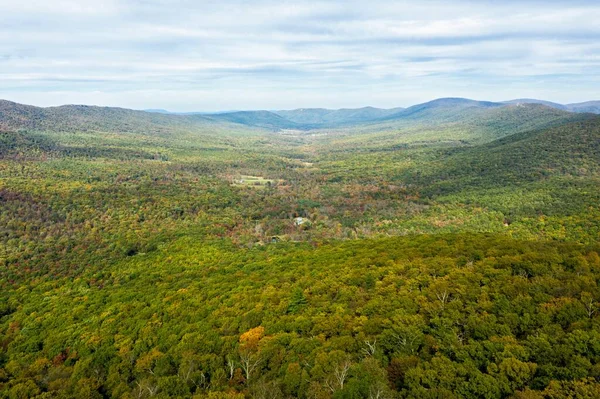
(449, 250)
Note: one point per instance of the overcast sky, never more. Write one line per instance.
(201, 55)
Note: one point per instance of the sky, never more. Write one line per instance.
(204, 55)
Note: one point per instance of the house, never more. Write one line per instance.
(299, 221)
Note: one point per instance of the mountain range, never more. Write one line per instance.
(446, 109)
(82, 117)
(592, 107)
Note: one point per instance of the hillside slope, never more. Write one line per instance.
(260, 119)
(536, 101)
(554, 171)
(588, 106)
(442, 110)
(571, 149)
(508, 120)
(84, 118)
(451, 126)
(330, 118)
(585, 107)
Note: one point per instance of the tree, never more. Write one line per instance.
(297, 301)
(590, 304)
(249, 350)
(249, 362)
(338, 377)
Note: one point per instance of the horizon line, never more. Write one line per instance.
(223, 111)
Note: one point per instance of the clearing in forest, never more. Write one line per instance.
(253, 181)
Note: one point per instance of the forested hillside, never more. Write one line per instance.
(502, 117)
(327, 117)
(83, 118)
(568, 150)
(585, 107)
(447, 316)
(450, 250)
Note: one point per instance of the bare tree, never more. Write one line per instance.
(267, 390)
(249, 362)
(146, 386)
(443, 297)
(377, 391)
(185, 373)
(338, 379)
(590, 305)
(230, 367)
(408, 339)
(192, 374)
(524, 274)
(330, 384)
(370, 347)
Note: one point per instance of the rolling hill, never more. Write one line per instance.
(450, 126)
(259, 119)
(592, 107)
(330, 118)
(442, 110)
(437, 112)
(552, 171)
(567, 149)
(534, 101)
(304, 118)
(84, 118)
(588, 106)
(499, 122)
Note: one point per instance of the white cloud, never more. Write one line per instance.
(197, 55)
(34, 8)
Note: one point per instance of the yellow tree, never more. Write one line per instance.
(249, 356)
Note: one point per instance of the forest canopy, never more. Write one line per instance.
(452, 253)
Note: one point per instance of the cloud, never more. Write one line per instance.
(210, 55)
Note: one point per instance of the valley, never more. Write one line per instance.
(443, 250)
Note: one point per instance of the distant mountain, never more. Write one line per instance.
(329, 118)
(158, 111)
(592, 107)
(164, 111)
(436, 111)
(453, 126)
(15, 116)
(311, 116)
(480, 120)
(534, 101)
(260, 119)
(304, 118)
(568, 149)
(84, 118)
(589, 106)
(508, 120)
(442, 110)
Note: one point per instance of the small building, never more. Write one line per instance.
(299, 221)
